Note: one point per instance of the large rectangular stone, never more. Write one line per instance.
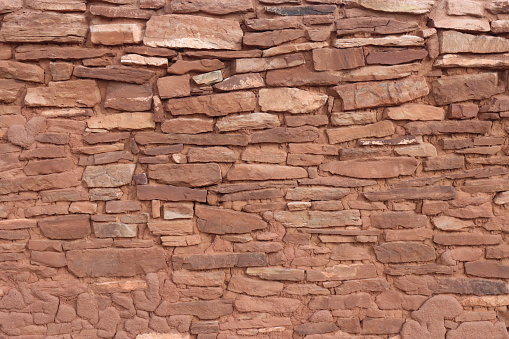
(265, 172)
(170, 193)
(73, 93)
(342, 134)
(342, 272)
(428, 285)
(41, 182)
(457, 42)
(253, 65)
(115, 262)
(447, 127)
(383, 167)
(276, 273)
(21, 71)
(388, 93)
(458, 88)
(221, 221)
(202, 309)
(189, 31)
(208, 139)
(35, 26)
(122, 121)
(318, 219)
(189, 175)
(37, 52)
(213, 105)
(115, 73)
(467, 239)
(220, 7)
(218, 260)
(414, 193)
(397, 6)
(108, 175)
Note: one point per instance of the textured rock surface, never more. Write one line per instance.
(222, 169)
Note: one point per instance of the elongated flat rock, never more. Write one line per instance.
(399, 252)
(430, 193)
(35, 26)
(318, 219)
(115, 73)
(291, 100)
(213, 105)
(33, 52)
(342, 134)
(265, 172)
(385, 93)
(385, 167)
(397, 6)
(189, 175)
(73, 93)
(115, 262)
(222, 221)
(404, 40)
(212, 7)
(123, 121)
(457, 42)
(499, 61)
(189, 31)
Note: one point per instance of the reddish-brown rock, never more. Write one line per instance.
(66, 227)
(170, 193)
(376, 168)
(466, 87)
(398, 252)
(265, 172)
(115, 262)
(218, 260)
(372, 94)
(202, 309)
(74, 93)
(189, 175)
(34, 26)
(174, 86)
(213, 105)
(222, 221)
(128, 97)
(188, 31)
(332, 59)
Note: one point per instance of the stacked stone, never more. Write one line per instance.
(224, 169)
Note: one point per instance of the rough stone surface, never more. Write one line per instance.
(291, 100)
(190, 31)
(223, 169)
(365, 95)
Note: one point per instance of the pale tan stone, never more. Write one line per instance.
(247, 121)
(397, 6)
(291, 100)
(123, 121)
(116, 34)
(189, 31)
(404, 40)
(415, 112)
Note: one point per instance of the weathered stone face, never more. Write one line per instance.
(365, 95)
(33, 26)
(217, 169)
(108, 175)
(189, 31)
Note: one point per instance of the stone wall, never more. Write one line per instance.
(267, 169)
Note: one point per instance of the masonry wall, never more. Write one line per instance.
(254, 169)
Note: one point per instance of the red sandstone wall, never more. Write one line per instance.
(254, 169)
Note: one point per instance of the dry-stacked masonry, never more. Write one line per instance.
(230, 169)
